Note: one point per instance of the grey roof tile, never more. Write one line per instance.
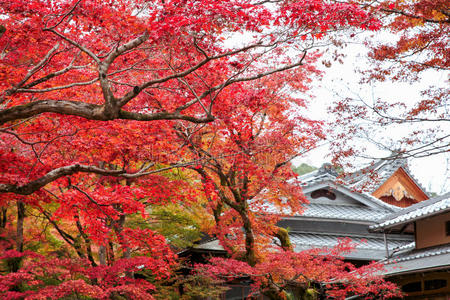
(344, 212)
(368, 248)
(367, 179)
(317, 178)
(406, 247)
(421, 253)
(333, 212)
(412, 261)
(371, 177)
(330, 240)
(420, 210)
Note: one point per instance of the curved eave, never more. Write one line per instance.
(425, 209)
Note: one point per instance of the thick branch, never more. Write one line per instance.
(55, 174)
(88, 111)
(125, 47)
(128, 115)
(33, 186)
(112, 110)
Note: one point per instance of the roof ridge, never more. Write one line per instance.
(379, 209)
(415, 180)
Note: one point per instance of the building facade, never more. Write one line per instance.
(421, 268)
(345, 207)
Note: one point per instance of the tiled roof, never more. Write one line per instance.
(333, 212)
(315, 177)
(361, 179)
(211, 245)
(344, 212)
(382, 170)
(437, 257)
(368, 247)
(326, 176)
(417, 211)
(416, 254)
(406, 247)
(329, 240)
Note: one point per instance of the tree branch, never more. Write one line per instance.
(426, 20)
(32, 186)
(88, 111)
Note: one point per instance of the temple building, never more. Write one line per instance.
(355, 206)
(337, 210)
(421, 268)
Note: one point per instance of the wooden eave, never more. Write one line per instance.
(406, 182)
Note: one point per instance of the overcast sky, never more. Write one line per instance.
(432, 172)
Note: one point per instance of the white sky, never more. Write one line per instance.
(431, 172)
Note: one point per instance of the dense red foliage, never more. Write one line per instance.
(102, 100)
(53, 278)
(304, 272)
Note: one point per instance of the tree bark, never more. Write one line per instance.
(3, 217)
(87, 242)
(19, 226)
(250, 255)
(283, 236)
(110, 257)
(102, 255)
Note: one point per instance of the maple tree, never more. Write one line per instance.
(416, 47)
(302, 275)
(423, 38)
(244, 166)
(53, 278)
(103, 101)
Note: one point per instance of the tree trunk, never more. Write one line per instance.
(118, 228)
(19, 226)
(250, 255)
(102, 255)
(3, 217)
(13, 264)
(110, 258)
(87, 242)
